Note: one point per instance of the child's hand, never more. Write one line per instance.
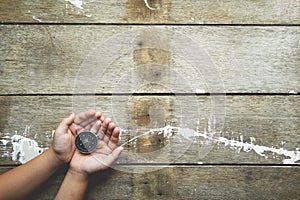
(63, 141)
(105, 154)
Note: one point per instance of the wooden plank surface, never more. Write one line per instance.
(49, 59)
(166, 11)
(194, 182)
(272, 121)
(43, 65)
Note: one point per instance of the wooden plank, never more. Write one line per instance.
(267, 121)
(166, 11)
(189, 182)
(50, 59)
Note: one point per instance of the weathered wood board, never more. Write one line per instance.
(166, 11)
(49, 59)
(245, 117)
(254, 47)
(192, 182)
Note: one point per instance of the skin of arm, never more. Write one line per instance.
(82, 166)
(23, 180)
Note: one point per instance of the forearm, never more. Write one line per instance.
(23, 180)
(73, 186)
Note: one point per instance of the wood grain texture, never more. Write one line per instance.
(193, 182)
(136, 11)
(43, 65)
(272, 120)
(49, 59)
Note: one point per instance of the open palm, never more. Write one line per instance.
(63, 141)
(106, 152)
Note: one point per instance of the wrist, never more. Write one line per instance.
(54, 157)
(73, 186)
(78, 176)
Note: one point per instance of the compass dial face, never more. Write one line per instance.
(86, 142)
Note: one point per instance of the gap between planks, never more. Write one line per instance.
(151, 94)
(189, 165)
(140, 24)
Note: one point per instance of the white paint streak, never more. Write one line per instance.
(200, 91)
(77, 3)
(148, 6)
(168, 131)
(24, 149)
(5, 140)
(37, 19)
(292, 92)
(294, 156)
(19, 147)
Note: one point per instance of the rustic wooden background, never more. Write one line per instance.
(254, 45)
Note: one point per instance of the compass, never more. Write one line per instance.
(86, 142)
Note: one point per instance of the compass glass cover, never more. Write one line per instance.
(86, 142)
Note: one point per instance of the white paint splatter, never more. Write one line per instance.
(37, 19)
(168, 131)
(20, 147)
(5, 140)
(292, 92)
(294, 156)
(252, 139)
(77, 3)
(148, 6)
(200, 91)
(24, 149)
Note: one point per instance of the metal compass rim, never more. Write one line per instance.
(86, 142)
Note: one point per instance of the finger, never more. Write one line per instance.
(102, 119)
(95, 128)
(111, 158)
(109, 132)
(114, 139)
(85, 118)
(87, 126)
(100, 133)
(104, 127)
(74, 129)
(87, 122)
(65, 124)
(98, 115)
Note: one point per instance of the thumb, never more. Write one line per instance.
(65, 123)
(116, 153)
(111, 158)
